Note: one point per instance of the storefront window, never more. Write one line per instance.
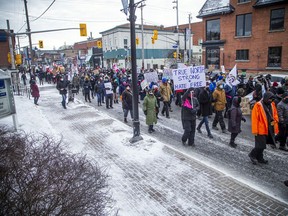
(213, 57)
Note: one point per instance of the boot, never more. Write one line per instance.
(125, 120)
(199, 130)
(152, 129)
(149, 129)
(232, 144)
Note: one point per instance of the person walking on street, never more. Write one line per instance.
(127, 103)
(99, 90)
(35, 91)
(235, 117)
(190, 106)
(87, 88)
(282, 109)
(219, 100)
(108, 93)
(205, 100)
(62, 88)
(149, 109)
(264, 121)
(166, 92)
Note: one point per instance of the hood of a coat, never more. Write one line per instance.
(267, 95)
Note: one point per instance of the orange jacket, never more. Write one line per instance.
(259, 120)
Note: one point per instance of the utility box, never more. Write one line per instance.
(7, 103)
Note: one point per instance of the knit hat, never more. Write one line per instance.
(275, 84)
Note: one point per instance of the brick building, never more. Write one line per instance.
(4, 49)
(250, 33)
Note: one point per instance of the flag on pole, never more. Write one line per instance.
(231, 79)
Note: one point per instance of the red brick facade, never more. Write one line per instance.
(257, 43)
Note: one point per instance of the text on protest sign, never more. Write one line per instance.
(190, 77)
(167, 73)
(151, 77)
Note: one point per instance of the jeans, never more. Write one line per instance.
(64, 96)
(126, 113)
(219, 118)
(99, 98)
(205, 120)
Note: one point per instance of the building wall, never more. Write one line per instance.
(257, 43)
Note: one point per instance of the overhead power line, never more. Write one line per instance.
(44, 11)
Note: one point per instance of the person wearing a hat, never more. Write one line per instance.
(282, 108)
(274, 87)
(166, 92)
(264, 122)
(149, 109)
(219, 100)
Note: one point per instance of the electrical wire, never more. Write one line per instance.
(44, 11)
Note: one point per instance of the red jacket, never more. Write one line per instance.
(34, 90)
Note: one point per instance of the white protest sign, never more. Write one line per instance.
(190, 77)
(167, 73)
(151, 77)
(144, 84)
(108, 88)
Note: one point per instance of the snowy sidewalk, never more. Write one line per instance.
(148, 177)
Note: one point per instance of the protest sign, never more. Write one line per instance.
(144, 84)
(108, 88)
(167, 73)
(190, 77)
(151, 77)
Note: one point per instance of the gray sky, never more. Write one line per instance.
(99, 15)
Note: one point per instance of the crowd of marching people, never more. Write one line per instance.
(217, 100)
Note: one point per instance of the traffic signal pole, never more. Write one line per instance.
(136, 124)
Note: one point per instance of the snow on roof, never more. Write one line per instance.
(213, 7)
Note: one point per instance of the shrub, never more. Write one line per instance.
(38, 177)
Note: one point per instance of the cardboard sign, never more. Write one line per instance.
(190, 77)
(108, 88)
(151, 77)
(245, 106)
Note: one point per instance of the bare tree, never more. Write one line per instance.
(38, 177)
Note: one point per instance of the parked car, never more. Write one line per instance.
(274, 78)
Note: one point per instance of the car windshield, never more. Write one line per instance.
(276, 79)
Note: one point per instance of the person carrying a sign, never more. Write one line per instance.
(108, 93)
(190, 106)
(166, 92)
(219, 100)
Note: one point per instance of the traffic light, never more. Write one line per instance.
(83, 29)
(153, 40)
(18, 59)
(137, 41)
(179, 56)
(155, 35)
(99, 44)
(9, 57)
(40, 42)
(175, 55)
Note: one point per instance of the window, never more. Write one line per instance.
(243, 1)
(277, 19)
(213, 57)
(213, 30)
(242, 54)
(244, 25)
(274, 56)
(125, 43)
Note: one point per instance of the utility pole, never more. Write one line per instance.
(177, 27)
(136, 124)
(142, 34)
(11, 48)
(190, 34)
(29, 33)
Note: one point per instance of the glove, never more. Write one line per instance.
(194, 111)
(145, 112)
(243, 119)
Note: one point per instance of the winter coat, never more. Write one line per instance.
(189, 113)
(219, 98)
(127, 100)
(34, 90)
(282, 109)
(62, 87)
(150, 105)
(100, 88)
(205, 99)
(87, 87)
(234, 117)
(76, 81)
(259, 120)
(165, 91)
